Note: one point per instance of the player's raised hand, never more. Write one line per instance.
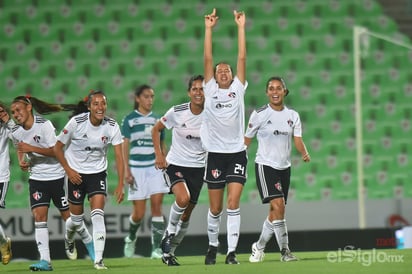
(211, 19)
(240, 18)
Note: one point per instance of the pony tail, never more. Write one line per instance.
(80, 107)
(43, 107)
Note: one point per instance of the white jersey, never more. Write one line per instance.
(274, 130)
(186, 149)
(223, 123)
(42, 134)
(5, 135)
(87, 145)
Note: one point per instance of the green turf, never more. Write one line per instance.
(351, 261)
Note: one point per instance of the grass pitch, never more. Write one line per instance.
(340, 261)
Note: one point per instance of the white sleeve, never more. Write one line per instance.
(117, 138)
(67, 132)
(50, 134)
(169, 120)
(253, 125)
(297, 129)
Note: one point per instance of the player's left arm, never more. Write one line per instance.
(301, 148)
(119, 191)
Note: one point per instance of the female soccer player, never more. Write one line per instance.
(145, 181)
(87, 137)
(35, 137)
(222, 133)
(6, 124)
(184, 165)
(275, 125)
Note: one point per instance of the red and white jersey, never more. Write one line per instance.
(87, 145)
(223, 123)
(274, 131)
(42, 134)
(5, 136)
(186, 149)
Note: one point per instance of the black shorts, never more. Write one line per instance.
(41, 192)
(223, 168)
(192, 176)
(272, 183)
(92, 184)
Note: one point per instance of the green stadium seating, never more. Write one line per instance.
(67, 48)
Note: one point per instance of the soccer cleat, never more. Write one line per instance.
(257, 255)
(231, 258)
(70, 248)
(166, 242)
(211, 255)
(100, 265)
(287, 256)
(90, 249)
(5, 250)
(170, 260)
(42, 265)
(156, 254)
(129, 247)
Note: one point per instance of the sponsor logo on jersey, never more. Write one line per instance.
(191, 137)
(277, 132)
(219, 106)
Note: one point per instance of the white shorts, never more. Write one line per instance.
(148, 181)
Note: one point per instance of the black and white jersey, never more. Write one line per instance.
(223, 123)
(186, 149)
(5, 136)
(87, 145)
(42, 134)
(274, 131)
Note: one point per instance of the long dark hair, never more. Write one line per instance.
(43, 107)
(139, 90)
(5, 107)
(83, 105)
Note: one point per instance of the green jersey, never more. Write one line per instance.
(138, 129)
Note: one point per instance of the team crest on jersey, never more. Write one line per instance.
(164, 119)
(232, 95)
(37, 195)
(250, 125)
(216, 173)
(278, 186)
(65, 131)
(105, 139)
(290, 123)
(77, 193)
(179, 174)
(36, 138)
